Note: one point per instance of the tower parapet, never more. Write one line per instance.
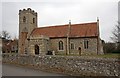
(28, 10)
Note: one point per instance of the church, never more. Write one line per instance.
(69, 39)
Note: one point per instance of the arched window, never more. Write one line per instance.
(60, 45)
(72, 46)
(24, 19)
(33, 20)
(36, 49)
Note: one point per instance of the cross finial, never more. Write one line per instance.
(70, 22)
(97, 19)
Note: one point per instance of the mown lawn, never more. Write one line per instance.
(108, 55)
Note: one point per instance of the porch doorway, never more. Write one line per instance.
(79, 49)
(36, 49)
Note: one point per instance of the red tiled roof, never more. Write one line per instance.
(77, 30)
(9, 43)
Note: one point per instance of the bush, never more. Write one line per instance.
(109, 47)
(116, 51)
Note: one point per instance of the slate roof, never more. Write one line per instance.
(76, 30)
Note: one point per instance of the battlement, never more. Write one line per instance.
(28, 10)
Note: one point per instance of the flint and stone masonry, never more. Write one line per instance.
(79, 39)
(71, 65)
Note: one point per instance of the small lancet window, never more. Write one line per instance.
(72, 46)
(86, 44)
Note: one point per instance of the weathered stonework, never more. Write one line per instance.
(41, 41)
(25, 27)
(79, 42)
(92, 47)
(55, 47)
(44, 43)
(71, 65)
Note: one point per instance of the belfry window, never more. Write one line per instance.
(24, 19)
(60, 45)
(86, 43)
(33, 20)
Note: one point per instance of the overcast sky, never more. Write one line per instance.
(52, 13)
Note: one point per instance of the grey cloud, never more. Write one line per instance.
(55, 13)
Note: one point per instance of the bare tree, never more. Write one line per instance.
(116, 35)
(4, 34)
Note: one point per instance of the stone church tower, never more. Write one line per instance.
(27, 22)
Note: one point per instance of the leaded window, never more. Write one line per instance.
(86, 44)
(60, 45)
(72, 46)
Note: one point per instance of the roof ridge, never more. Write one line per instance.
(64, 25)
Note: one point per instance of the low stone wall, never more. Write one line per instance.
(71, 65)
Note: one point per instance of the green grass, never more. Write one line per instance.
(109, 55)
